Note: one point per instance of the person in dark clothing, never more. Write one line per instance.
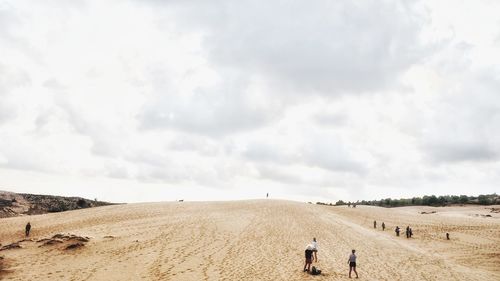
(407, 232)
(309, 257)
(397, 230)
(411, 232)
(374, 224)
(447, 236)
(28, 229)
(383, 226)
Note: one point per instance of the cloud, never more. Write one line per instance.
(465, 120)
(283, 54)
(302, 47)
(211, 112)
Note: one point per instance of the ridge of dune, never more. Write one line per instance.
(254, 240)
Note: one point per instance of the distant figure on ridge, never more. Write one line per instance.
(267, 195)
(383, 226)
(374, 224)
(308, 253)
(397, 230)
(447, 236)
(28, 229)
(315, 249)
(352, 263)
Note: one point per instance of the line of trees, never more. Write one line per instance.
(488, 199)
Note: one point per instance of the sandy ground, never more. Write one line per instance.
(254, 240)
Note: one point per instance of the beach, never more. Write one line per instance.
(251, 240)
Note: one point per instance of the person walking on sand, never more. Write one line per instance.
(397, 231)
(383, 226)
(374, 224)
(352, 263)
(28, 229)
(411, 232)
(315, 249)
(407, 231)
(308, 254)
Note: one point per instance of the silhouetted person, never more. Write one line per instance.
(267, 195)
(411, 232)
(374, 224)
(309, 255)
(407, 232)
(383, 226)
(397, 230)
(352, 263)
(447, 236)
(28, 229)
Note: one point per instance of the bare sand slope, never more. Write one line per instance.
(253, 240)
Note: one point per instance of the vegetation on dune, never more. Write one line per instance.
(432, 200)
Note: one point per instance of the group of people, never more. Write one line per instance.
(311, 254)
(408, 232)
(375, 225)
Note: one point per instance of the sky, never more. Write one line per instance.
(133, 101)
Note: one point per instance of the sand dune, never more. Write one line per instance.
(252, 240)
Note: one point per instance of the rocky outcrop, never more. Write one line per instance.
(15, 204)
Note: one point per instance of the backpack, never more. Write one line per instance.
(315, 271)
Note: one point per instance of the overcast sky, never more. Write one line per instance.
(215, 100)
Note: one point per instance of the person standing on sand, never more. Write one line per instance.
(308, 254)
(352, 263)
(315, 249)
(374, 224)
(397, 230)
(28, 229)
(267, 195)
(407, 231)
(411, 232)
(383, 226)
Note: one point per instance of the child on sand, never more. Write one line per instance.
(383, 226)
(352, 263)
(397, 230)
(308, 253)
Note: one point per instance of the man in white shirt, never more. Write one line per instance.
(315, 249)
